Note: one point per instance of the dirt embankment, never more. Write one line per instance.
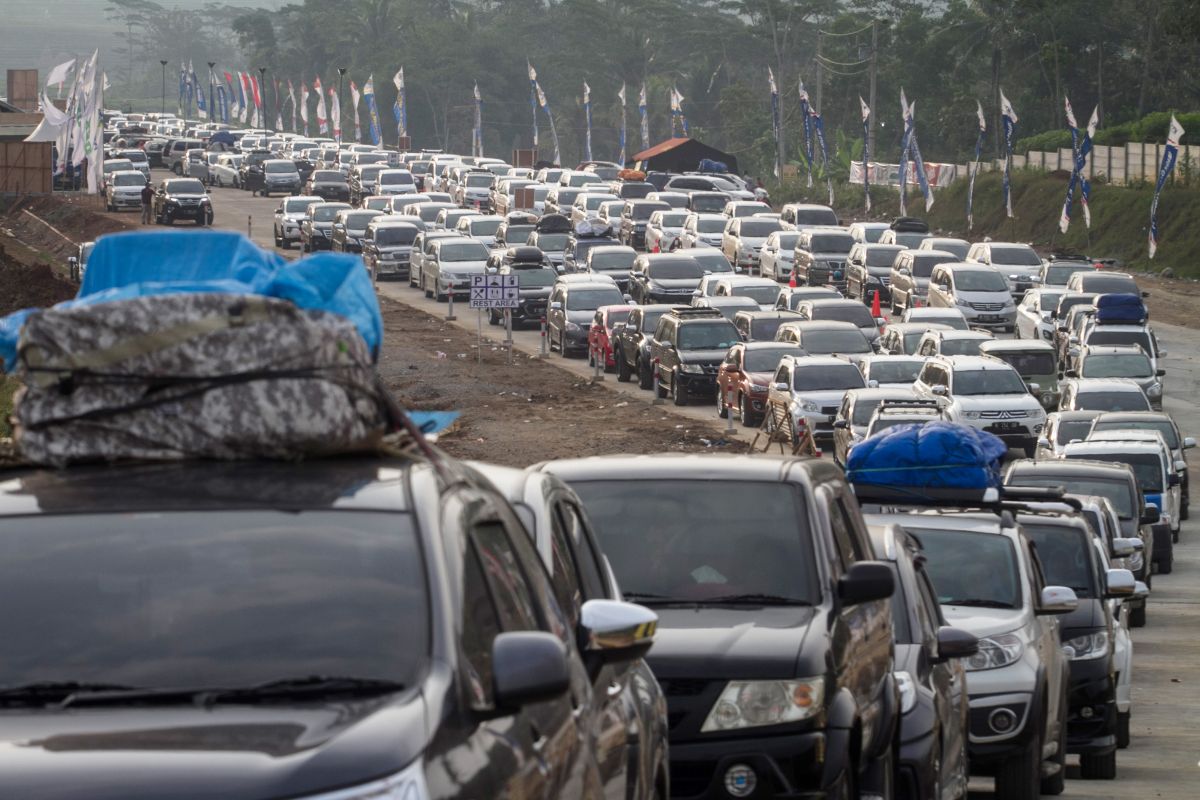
(529, 412)
(53, 227)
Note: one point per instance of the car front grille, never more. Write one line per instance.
(1014, 413)
(684, 687)
(987, 306)
(829, 410)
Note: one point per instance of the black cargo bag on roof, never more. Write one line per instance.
(910, 225)
(553, 223)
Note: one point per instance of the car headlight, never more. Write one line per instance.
(572, 327)
(408, 784)
(908, 691)
(1091, 645)
(971, 415)
(693, 369)
(1155, 390)
(809, 407)
(962, 303)
(1049, 399)
(752, 704)
(995, 652)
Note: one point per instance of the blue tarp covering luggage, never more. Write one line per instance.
(708, 165)
(170, 262)
(1120, 309)
(936, 455)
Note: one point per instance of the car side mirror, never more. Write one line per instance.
(1124, 548)
(1160, 372)
(528, 667)
(1119, 583)
(1043, 442)
(1072, 373)
(556, 306)
(955, 643)
(1150, 515)
(867, 581)
(1180, 465)
(872, 384)
(1173, 480)
(616, 631)
(780, 387)
(1189, 442)
(904, 271)
(1057, 600)
(1034, 388)
(841, 424)
(940, 390)
(1140, 591)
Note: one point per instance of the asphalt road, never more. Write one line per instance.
(1163, 760)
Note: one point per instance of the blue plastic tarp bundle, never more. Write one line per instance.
(130, 265)
(1120, 309)
(936, 455)
(709, 165)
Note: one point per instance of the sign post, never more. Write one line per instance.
(495, 292)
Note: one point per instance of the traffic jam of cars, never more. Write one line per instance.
(946, 592)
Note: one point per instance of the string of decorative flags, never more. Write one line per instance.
(1170, 153)
(974, 169)
(1080, 150)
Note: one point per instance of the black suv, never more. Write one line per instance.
(572, 306)
(775, 646)
(250, 172)
(360, 626)
(632, 342)
(535, 279)
(328, 184)
(634, 217)
(664, 278)
(182, 198)
(689, 346)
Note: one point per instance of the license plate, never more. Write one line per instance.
(1005, 426)
(989, 318)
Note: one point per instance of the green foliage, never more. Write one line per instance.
(1150, 128)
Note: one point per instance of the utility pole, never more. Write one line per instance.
(820, 78)
(212, 108)
(341, 77)
(874, 72)
(164, 86)
(1100, 85)
(262, 92)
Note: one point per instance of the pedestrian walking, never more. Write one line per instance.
(147, 203)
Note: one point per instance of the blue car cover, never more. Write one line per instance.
(935, 455)
(1120, 309)
(170, 262)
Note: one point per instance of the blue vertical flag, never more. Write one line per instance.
(806, 115)
(975, 167)
(1009, 118)
(587, 114)
(541, 96)
(621, 155)
(914, 151)
(1170, 153)
(1081, 148)
(400, 107)
(1085, 150)
(645, 121)
(1064, 218)
(866, 115)
(201, 104)
(775, 120)
(819, 127)
(373, 111)
(907, 127)
(533, 100)
(477, 143)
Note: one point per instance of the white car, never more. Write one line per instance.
(395, 181)
(800, 216)
(1102, 394)
(1018, 263)
(867, 232)
(288, 215)
(811, 389)
(987, 394)
(480, 228)
(1035, 314)
(123, 189)
(778, 254)
(448, 266)
(587, 204)
(763, 291)
(959, 247)
(744, 239)
(745, 208)
(225, 171)
(664, 229)
(703, 230)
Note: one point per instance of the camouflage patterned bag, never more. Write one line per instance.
(193, 376)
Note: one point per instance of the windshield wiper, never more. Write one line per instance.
(979, 602)
(45, 692)
(282, 689)
(756, 599)
(650, 597)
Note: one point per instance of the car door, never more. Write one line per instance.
(948, 679)
(730, 375)
(843, 435)
(555, 315)
(1047, 643)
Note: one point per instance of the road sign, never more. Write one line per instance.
(494, 291)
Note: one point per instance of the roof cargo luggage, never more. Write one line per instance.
(592, 227)
(631, 175)
(1120, 309)
(554, 223)
(709, 165)
(936, 455)
(910, 225)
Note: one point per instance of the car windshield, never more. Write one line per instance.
(1105, 400)
(856, 313)
(955, 321)
(816, 216)
(763, 295)
(399, 235)
(717, 335)
(760, 228)
(185, 187)
(835, 342)
(359, 219)
(687, 541)
(1015, 257)
(1060, 274)
(979, 280)
(650, 320)
(710, 203)
(114, 164)
(1065, 555)
(395, 178)
(517, 233)
(1146, 466)
(160, 600)
(1163, 426)
(593, 203)
(881, 256)
(136, 156)
(1123, 365)
(279, 166)
(591, 299)
(961, 347)
(291, 206)
(674, 269)
(1117, 490)
(463, 251)
(552, 242)
(129, 180)
(675, 220)
(1100, 283)
(1072, 429)
(479, 180)
(711, 260)
(910, 240)
(971, 569)
(766, 359)
(327, 176)
(892, 420)
(1027, 364)
(535, 278)
(611, 262)
(1108, 336)
(763, 329)
(326, 213)
(483, 227)
(922, 265)
(895, 371)
(831, 243)
(826, 377)
(988, 381)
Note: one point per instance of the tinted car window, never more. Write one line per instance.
(971, 569)
(212, 599)
(1015, 256)
(857, 313)
(707, 336)
(836, 342)
(895, 372)
(831, 243)
(463, 251)
(760, 229)
(1027, 363)
(397, 235)
(1064, 554)
(675, 269)
(588, 299)
(480, 628)
(506, 579)
(1124, 365)
(992, 381)
(979, 281)
(687, 540)
(1119, 492)
(816, 216)
(827, 377)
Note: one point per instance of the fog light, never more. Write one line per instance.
(1002, 720)
(1086, 712)
(740, 781)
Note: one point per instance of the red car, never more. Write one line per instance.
(600, 335)
(745, 376)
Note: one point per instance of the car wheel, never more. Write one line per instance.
(425, 286)
(1137, 617)
(645, 376)
(679, 394)
(562, 344)
(1019, 777)
(660, 391)
(747, 416)
(1098, 768)
(492, 320)
(623, 371)
(722, 409)
(1123, 722)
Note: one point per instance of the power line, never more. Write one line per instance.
(850, 33)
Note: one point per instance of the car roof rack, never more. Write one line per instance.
(692, 312)
(988, 499)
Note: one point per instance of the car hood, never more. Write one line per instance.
(983, 621)
(729, 642)
(983, 297)
(675, 283)
(583, 317)
(173, 753)
(702, 356)
(1086, 617)
(463, 267)
(833, 397)
(184, 196)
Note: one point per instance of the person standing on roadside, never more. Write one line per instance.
(147, 203)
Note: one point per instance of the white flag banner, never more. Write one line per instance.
(58, 75)
(335, 114)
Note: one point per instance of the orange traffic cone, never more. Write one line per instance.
(876, 311)
(792, 281)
